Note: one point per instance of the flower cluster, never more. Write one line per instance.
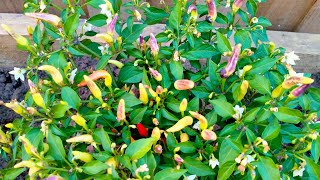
(173, 100)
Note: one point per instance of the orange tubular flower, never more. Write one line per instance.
(121, 113)
(202, 119)
(54, 72)
(98, 75)
(183, 84)
(95, 90)
(49, 18)
(182, 123)
(293, 80)
(208, 135)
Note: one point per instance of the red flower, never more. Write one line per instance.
(142, 130)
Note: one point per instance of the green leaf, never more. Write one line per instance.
(60, 109)
(130, 74)
(94, 167)
(315, 149)
(242, 37)
(71, 97)
(56, 149)
(176, 69)
(271, 131)
(58, 60)
(197, 167)
(150, 161)
(139, 148)
(102, 63)
(229, 150)
(262, 66)
(101, 136)
(252, 7)
(171, 141)
(175, 16)
(202, 51)
(130, 100)
(312, 168)
(169, 173)
(288, 115)
(226, 170)
(137, 115)
(166, 114)
(154, 15)
(223, 108)
(11, 174)
(223, 43)
(187, 147)
(261, 84)
(267, 169)
(36, 36)
(315, 93)
(251, 115)
(98, 20)
(71, 24)
(131, 35)
(200, 92)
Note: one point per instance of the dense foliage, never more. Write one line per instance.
(204, 96)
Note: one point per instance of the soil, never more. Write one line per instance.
(12, 89)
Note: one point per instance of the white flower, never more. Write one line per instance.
(42, 6)
(105, 9)
(191, 177)
(240, 72)
(142, 168)
(298, 172)
(213, 162)
(73, 74)
(250, 158)
(104, 49)
(196, 125)
(87, 27)
(239, 111)
(289, 58)
(254, 20)
(18, 73)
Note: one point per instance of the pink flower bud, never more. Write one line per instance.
(299, 90)
(232, 62)
(178, 159)
(208, 135)
(183, 84)
(112, 24)
(236, 5)
(153, 45)
(158, 149)
(212, 11)
(157, 76)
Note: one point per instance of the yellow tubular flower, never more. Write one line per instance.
(36, 96)
(54, 72)
(121, 111)
(208, 135)
(80, 121)
(15, 106)
(49, 18)
(203, 121)
(243, 90)
(184, 137)
(30, 149)
(106, 37)
(293, 80)
(151, 91)
(83, 156)
(143, 94)
(93, 88)
(27, 164)
(157, 76)
(116, 63)
(22, 41)
(111, 162)
(87, 138)
(246, 69)
(277, 92)
(108, 80)
(183, 105)
(4, 137)
(156, 133)
(182, 123)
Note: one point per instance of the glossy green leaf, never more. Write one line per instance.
(267, 168)
(223, 108)
(139, 148)
(226, 170)
(197, 167)
(288, 115)
(169, 173)
(94, 167)
(71, 97)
